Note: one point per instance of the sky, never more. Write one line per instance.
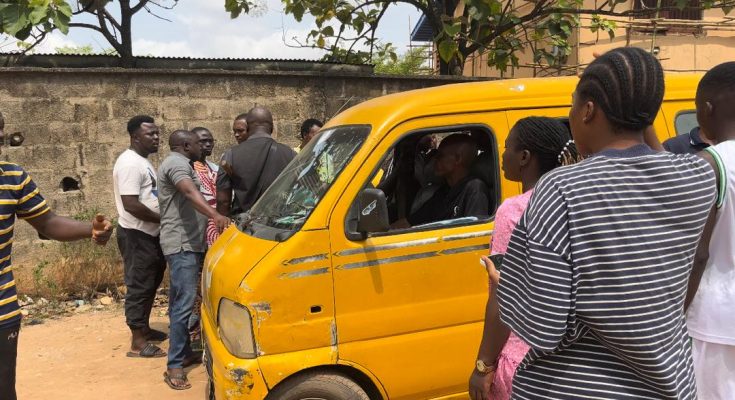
(202, 28)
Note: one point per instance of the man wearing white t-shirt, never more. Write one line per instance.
(711, 293)
(136, 199)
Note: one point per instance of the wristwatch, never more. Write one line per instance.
(484, 368)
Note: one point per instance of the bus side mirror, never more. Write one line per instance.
(372, 211)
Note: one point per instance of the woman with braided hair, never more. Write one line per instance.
(595, 274)
(534, 146)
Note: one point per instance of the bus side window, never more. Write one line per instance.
(685, 121)
(407, 177)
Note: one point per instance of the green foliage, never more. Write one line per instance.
(237, 7)
(19, 17)
(603, 25)
(499, 28)
(409, 63)
(86, 49)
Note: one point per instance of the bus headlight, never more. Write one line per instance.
(236, 329)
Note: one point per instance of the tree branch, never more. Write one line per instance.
(374, 28)
(156, 15)
(112, 20)
(171, 7)
(83, 25)
(37, 41)
(139, 6)
(105, 31)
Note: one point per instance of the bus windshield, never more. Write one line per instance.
(287, 203)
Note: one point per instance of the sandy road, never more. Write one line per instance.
(82, 357)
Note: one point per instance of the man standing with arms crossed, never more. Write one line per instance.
(136, 199)
(20, 197)
(184, 213)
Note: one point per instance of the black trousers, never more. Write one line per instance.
(8, 356)
(144, 267)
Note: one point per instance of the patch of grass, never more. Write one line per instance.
(80, 269)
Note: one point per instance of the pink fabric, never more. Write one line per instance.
(511, 355)
(508, 215)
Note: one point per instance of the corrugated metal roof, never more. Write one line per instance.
(191, 63)
(18, 53)
(422, 32)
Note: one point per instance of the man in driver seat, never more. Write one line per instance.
(462, 194)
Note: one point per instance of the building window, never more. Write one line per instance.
(669, 10)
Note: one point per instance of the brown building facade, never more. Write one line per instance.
(683, 40)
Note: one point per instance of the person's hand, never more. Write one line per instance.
(221, 222)
(401, 224)
(491, 271)
(480, 385)
(101, 229)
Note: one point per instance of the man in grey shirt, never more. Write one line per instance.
(184, 213)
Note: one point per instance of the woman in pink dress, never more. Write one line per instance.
(535, 146)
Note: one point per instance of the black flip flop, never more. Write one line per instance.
(149, 351)
(156, 336)
(182, 376)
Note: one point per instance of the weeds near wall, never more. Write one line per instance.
(81, 270)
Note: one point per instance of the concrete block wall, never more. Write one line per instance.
(74, 120)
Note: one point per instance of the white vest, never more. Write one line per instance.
(711, 316)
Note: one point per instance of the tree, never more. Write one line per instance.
(36, 18)
(118, 30)
(86, 49)
(412, 62)
(499, 28)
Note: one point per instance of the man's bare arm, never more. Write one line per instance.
(132, 205)
(701, 257)
(66, 229)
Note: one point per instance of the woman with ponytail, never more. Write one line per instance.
(535, 146)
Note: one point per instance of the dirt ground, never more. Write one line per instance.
(82, 357)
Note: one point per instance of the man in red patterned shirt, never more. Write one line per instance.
(207, 173)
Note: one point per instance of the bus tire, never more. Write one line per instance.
(319, 385)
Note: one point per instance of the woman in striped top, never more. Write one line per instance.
(596, 271)
(534, 146)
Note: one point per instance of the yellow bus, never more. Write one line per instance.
(311, 295)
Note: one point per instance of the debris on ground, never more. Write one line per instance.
(36, 310)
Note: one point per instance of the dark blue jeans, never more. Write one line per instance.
(184, 271)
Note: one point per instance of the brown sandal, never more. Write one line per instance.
(181, 377)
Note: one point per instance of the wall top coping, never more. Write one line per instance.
(220, 72)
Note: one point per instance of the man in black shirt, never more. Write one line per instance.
(461, 195)
(689, 143)
(252, 165)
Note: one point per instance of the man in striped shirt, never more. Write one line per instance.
(596, 271)
(19, 197)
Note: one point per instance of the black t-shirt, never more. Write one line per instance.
(254, 164)
(690, 143)
(469, 198)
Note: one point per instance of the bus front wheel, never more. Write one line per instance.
(319, 386)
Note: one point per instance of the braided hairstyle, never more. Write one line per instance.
(628, 84)
(549, 140)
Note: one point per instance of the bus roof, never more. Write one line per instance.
(388, 111)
